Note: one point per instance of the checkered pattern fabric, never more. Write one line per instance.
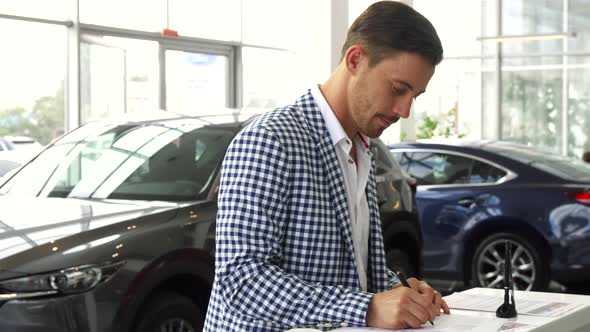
(284, 252)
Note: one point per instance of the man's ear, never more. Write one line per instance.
(354, 57)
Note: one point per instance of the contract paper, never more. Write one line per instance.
(448, 323)
(523, 307)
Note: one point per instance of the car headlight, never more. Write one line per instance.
(68, 281)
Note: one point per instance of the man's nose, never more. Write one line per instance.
(403, 107)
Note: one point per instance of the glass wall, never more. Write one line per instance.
(578, 71)
(531, 109)
(33, 70)
(530, 91)
(58, 72)
(196, 83)
(117, 75)
(578, 104)
(263, 88)
(451, 107)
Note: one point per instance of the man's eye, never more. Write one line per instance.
(398, 91)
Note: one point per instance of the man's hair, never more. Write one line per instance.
(387, 28)
(586, 156)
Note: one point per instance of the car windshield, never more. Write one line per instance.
(174, 160)
(558, 165)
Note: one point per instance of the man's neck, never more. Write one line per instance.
(337, 98)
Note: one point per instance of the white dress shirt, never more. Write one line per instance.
(356, 176)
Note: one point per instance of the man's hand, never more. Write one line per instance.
(437, 302)
(404, 307)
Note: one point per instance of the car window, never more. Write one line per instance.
(433, 168)
(182, 169)
(485, 173)
(144, 162)
(30, 180)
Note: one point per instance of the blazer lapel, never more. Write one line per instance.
(334, 176)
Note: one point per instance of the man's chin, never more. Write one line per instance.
(374, 132)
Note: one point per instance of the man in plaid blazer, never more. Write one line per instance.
(294, 245)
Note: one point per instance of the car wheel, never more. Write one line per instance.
(397, 259)
(529, 271)
(171, 312)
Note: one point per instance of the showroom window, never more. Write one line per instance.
(117, 75)
(451, 106)
(112, 58)
(528, 91)
(263, 88)
(578, 103)
(532, 101)
(32, 81)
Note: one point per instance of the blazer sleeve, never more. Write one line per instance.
(253, 207)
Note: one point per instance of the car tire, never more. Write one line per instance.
(529, 270)
(397, 259)
(169, 311)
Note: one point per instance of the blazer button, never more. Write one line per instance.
(343, 324)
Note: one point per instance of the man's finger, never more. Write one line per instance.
(445, 307)
(415, 314)
(437, 303)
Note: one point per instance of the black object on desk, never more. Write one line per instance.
(402, 278)
(507, 309)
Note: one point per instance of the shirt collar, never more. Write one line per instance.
(335, 129)
(337, 133)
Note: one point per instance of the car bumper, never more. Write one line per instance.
(64, 314)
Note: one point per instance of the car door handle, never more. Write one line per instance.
(467, 202)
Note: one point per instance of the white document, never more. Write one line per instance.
(443, 323)
(524, 307)
(447, 323)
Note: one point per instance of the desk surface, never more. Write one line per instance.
(578, 320)
(574, 321)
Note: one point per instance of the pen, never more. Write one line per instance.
(402, 278)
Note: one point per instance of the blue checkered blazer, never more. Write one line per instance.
(284, 253)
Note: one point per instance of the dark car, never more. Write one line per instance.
(473, 197)
(111, 227)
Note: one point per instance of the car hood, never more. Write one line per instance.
(26, 223)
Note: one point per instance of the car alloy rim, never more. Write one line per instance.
(490, 266)
(176, 325)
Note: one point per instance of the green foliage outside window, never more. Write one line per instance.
(44, 122)
(441, 126)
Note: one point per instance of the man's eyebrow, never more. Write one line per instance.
(408, 85)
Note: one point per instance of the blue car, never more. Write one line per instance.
(473, 197)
